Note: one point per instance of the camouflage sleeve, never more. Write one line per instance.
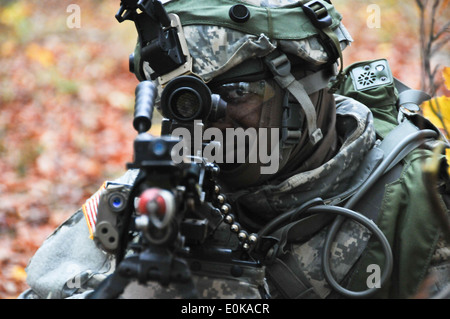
(68, 263)
(437, 279)
(439, 273)
(349, 244)
(438, 283)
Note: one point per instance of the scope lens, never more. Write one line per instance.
(185, 103)
(116, 201)
(186, 98)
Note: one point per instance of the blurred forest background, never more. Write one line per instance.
(67, 97)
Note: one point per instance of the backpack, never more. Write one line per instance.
(396, 110)
(392, 196)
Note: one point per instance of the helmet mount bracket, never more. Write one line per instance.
(161, 38)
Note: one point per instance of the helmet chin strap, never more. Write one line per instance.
(280, 66)
(273, 115)
(250, 173)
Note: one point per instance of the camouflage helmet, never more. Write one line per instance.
(224, 39)
(217, 42)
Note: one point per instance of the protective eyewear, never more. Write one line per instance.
(242, 92)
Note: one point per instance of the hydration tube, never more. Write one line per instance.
(316, 206)
(347, 212)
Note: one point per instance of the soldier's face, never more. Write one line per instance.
(245, 101)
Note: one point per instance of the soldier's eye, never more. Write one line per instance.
(240, 92)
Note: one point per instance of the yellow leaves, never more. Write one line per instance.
(7, 48)
(446, 74)
(14, 13)
(437, 110)
(12, 281)
(447, 155)
(15, 20)
(45, 117)
(40, 54)
(18, 273)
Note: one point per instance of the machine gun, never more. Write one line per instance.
(155, 226)
(173, 205)
(165, 218)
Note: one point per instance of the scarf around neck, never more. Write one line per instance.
(354, 127)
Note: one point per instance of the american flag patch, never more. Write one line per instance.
(90, 209)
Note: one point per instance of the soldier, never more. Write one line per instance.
(278, 65)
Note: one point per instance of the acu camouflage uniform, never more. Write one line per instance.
(69, 254)
(75, 260)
